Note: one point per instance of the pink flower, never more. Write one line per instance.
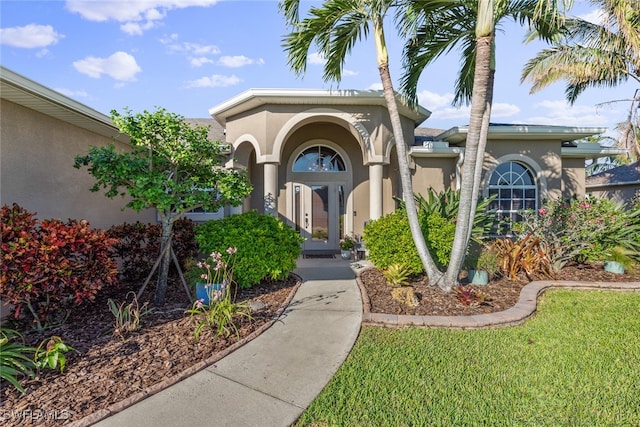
(542, 211)
(585, 205)
(231, 250)
(200, 303)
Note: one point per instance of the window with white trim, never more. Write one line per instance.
(515, 188)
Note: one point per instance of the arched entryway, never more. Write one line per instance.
(319, 202)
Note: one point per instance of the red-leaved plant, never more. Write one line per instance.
(50, 266)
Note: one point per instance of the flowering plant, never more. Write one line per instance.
(347, 243)
(217, 270)
(219, 311)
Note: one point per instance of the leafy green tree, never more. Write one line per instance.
(335, 28)
(172, 167)
(588, 54)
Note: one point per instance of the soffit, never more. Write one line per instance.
(254, 98)
(29, 94)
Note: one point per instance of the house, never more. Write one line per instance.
(620, 184)
(324, 160)
(41, 131)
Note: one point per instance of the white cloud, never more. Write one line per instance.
(215, 80)
(72, 93)
(200, 61)
(238, 61)
(315, 59)
(136, 15)
(595, 16)
(432, 101)
(30, 36)
(349, 73)
(561, 113)
(375, 86)
(119, 66)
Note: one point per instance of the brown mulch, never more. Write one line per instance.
(501, 293)
(104, 369)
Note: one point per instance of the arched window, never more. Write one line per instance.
(514, 187)
(319, 159)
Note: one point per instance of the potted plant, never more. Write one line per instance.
(212, 275)
(486, 266)
(618, 260)
(346, 246)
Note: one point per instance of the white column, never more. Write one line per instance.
(375, 191)
(271, 188)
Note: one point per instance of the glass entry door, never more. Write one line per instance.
(317, 212)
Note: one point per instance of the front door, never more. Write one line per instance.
(319, 212)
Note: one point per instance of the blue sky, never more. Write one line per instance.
(190, 55)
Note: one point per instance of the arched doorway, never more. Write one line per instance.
(319, 195)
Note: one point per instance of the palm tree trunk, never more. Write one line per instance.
(430, 267)
(476, 141)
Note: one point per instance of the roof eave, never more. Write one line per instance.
(29, 94)
(253, 98)
(458, 134)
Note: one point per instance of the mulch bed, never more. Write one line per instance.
(502, 293)
(105, 369)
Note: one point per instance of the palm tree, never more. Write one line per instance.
(594, 55)
(436, 28)
(335, 27)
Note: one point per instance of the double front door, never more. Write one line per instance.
(319, 214)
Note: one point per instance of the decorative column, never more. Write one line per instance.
(271, 188)
(375, 190)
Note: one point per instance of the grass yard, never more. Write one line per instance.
(577, 363)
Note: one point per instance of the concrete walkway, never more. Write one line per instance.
(272, 379)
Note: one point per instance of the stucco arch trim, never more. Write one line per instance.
(244, 139)
(541, 180)
(313, 115)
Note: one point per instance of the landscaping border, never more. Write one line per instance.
(516, 315)
(150, 391)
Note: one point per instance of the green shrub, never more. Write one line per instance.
(266, 246)
(15, 358)
(389, 240)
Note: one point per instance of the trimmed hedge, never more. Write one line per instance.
(266, 246)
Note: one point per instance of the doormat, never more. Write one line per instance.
(319, 256)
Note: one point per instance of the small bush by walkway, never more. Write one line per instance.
(577, 362)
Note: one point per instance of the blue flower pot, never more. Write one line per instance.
(478, 277)
(203, 291)
(613, 267)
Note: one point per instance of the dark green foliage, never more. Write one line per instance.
(447, 204)
(15, 358)
(138, 246)
(267, 248)
(389, 240)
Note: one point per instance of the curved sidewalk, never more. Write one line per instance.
(272, 379)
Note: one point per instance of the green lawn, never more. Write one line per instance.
(577, 363)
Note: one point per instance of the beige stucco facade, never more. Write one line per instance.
(40, 134)
(270, 130)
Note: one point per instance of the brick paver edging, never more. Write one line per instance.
(524, 308)
(135, 398)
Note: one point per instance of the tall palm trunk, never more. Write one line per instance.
(482, 96)
(430, 267)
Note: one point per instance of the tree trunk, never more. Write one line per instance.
(474, 155)
(435, 276)
(430, 267)
(163, 271)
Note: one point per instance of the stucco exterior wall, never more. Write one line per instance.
(543, 157)
(573, 178)
(438, 173)
(36, 170)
